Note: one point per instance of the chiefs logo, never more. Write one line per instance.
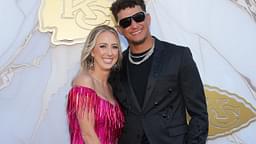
(228, 112)
(70, 21)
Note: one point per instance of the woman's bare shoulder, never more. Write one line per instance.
(83, 79)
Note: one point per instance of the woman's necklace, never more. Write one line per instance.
(145, 56)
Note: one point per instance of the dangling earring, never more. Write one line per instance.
(90, 62)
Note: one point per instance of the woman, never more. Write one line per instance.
(94, 115)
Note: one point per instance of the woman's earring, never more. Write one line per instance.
(90, 63)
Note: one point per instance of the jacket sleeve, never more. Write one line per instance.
(192, 90)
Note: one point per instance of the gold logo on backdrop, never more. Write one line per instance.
(227, 112)
(70, 21)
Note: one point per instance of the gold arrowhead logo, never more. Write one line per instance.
(227, 112)
(70, 21)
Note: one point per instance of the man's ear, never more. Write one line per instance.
(119, 29)
(148, 19)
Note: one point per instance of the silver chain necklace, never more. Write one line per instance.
(146, 55)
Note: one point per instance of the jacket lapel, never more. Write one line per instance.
(128, 85)
(155, 70)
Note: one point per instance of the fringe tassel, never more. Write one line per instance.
(109, 119)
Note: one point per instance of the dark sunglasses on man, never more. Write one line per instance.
(126, 22)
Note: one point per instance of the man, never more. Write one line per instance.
(157, 84)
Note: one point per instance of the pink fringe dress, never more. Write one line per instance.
(109, 119)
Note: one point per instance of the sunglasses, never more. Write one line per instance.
(126, 22)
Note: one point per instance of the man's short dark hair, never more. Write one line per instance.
(119, 5)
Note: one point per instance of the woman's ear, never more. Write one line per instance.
(92, 54)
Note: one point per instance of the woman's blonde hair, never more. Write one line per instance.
(87, 61)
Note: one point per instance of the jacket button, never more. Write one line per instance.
(170, 90)
(156, 103)
(164, 115)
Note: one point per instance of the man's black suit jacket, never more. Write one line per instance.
(174, 88)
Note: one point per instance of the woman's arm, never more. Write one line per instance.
(81, 104)
(86, 122)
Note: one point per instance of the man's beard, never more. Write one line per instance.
(138, 42)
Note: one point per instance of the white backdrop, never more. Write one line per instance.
(35, 74)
